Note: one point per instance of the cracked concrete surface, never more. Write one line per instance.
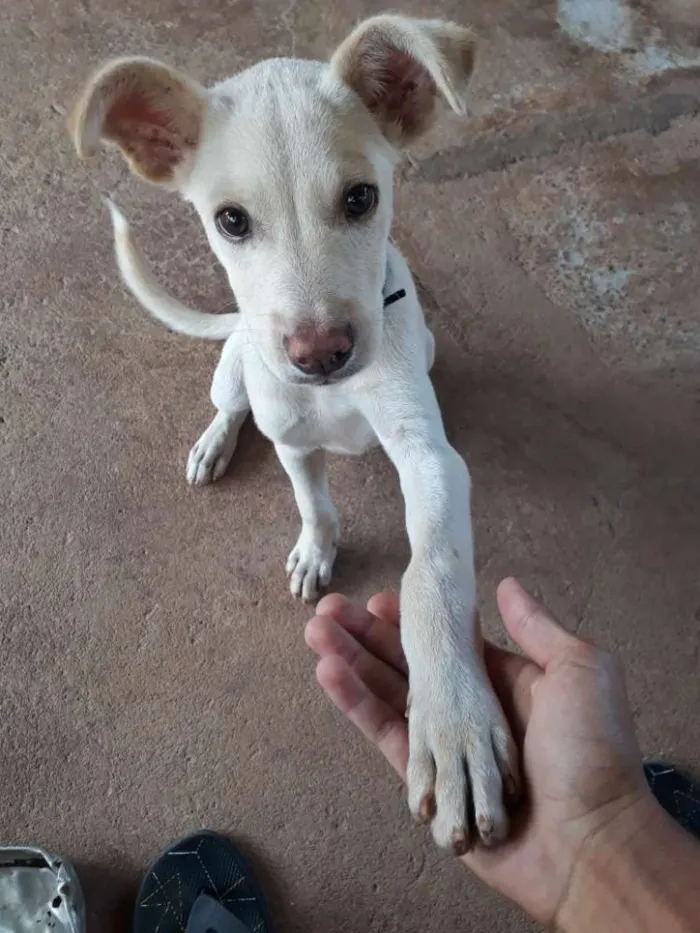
(153, 675)
(652, 113)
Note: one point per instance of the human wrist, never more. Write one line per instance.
(637, 872)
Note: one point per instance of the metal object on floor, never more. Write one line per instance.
(39, 893)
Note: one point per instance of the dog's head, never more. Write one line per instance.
(290, 166)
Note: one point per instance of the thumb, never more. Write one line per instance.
(530, 625)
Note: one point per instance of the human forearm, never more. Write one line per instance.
(640, 874)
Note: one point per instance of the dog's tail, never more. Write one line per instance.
(148, 292)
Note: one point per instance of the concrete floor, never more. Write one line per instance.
(153, 675)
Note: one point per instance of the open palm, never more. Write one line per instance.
(568, 710)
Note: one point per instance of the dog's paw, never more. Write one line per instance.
(212, 453)
(310, 564)
(463, 763)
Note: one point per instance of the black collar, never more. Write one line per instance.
(394, 296)
(389, 291)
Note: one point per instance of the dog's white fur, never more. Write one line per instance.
(284, 139)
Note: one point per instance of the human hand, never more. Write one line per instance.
(567, 706)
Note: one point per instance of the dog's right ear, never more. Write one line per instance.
(150, 111)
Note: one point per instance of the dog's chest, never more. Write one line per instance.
(314, 418)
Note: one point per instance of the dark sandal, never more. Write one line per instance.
(677, 794)
(201, 884)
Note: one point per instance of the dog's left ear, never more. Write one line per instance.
(399, 66)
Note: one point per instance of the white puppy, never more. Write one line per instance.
(290, 167)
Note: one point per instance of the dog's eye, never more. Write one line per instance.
(359, 200)
(233, 222)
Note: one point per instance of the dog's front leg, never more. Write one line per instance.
(212, 453)
(462, 758)
(310, 563)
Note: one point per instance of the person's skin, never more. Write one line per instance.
(590, 849)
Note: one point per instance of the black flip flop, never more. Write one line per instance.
(201, 884)
(677, 794)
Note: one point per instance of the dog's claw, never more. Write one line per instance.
(310, 566)
(427, 808)
(460, 843)
(212, 453)
(460, 752)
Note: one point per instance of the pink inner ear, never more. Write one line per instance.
(146, 132)
(404, 91)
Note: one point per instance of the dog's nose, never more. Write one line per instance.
(318, 352)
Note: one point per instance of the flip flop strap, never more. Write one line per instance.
(209, 916)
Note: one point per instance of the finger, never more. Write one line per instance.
(531, 626)
(380, 637)
(325, 636)
(377, 721)
(332, 604)
(513, 677)
(385, 606)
